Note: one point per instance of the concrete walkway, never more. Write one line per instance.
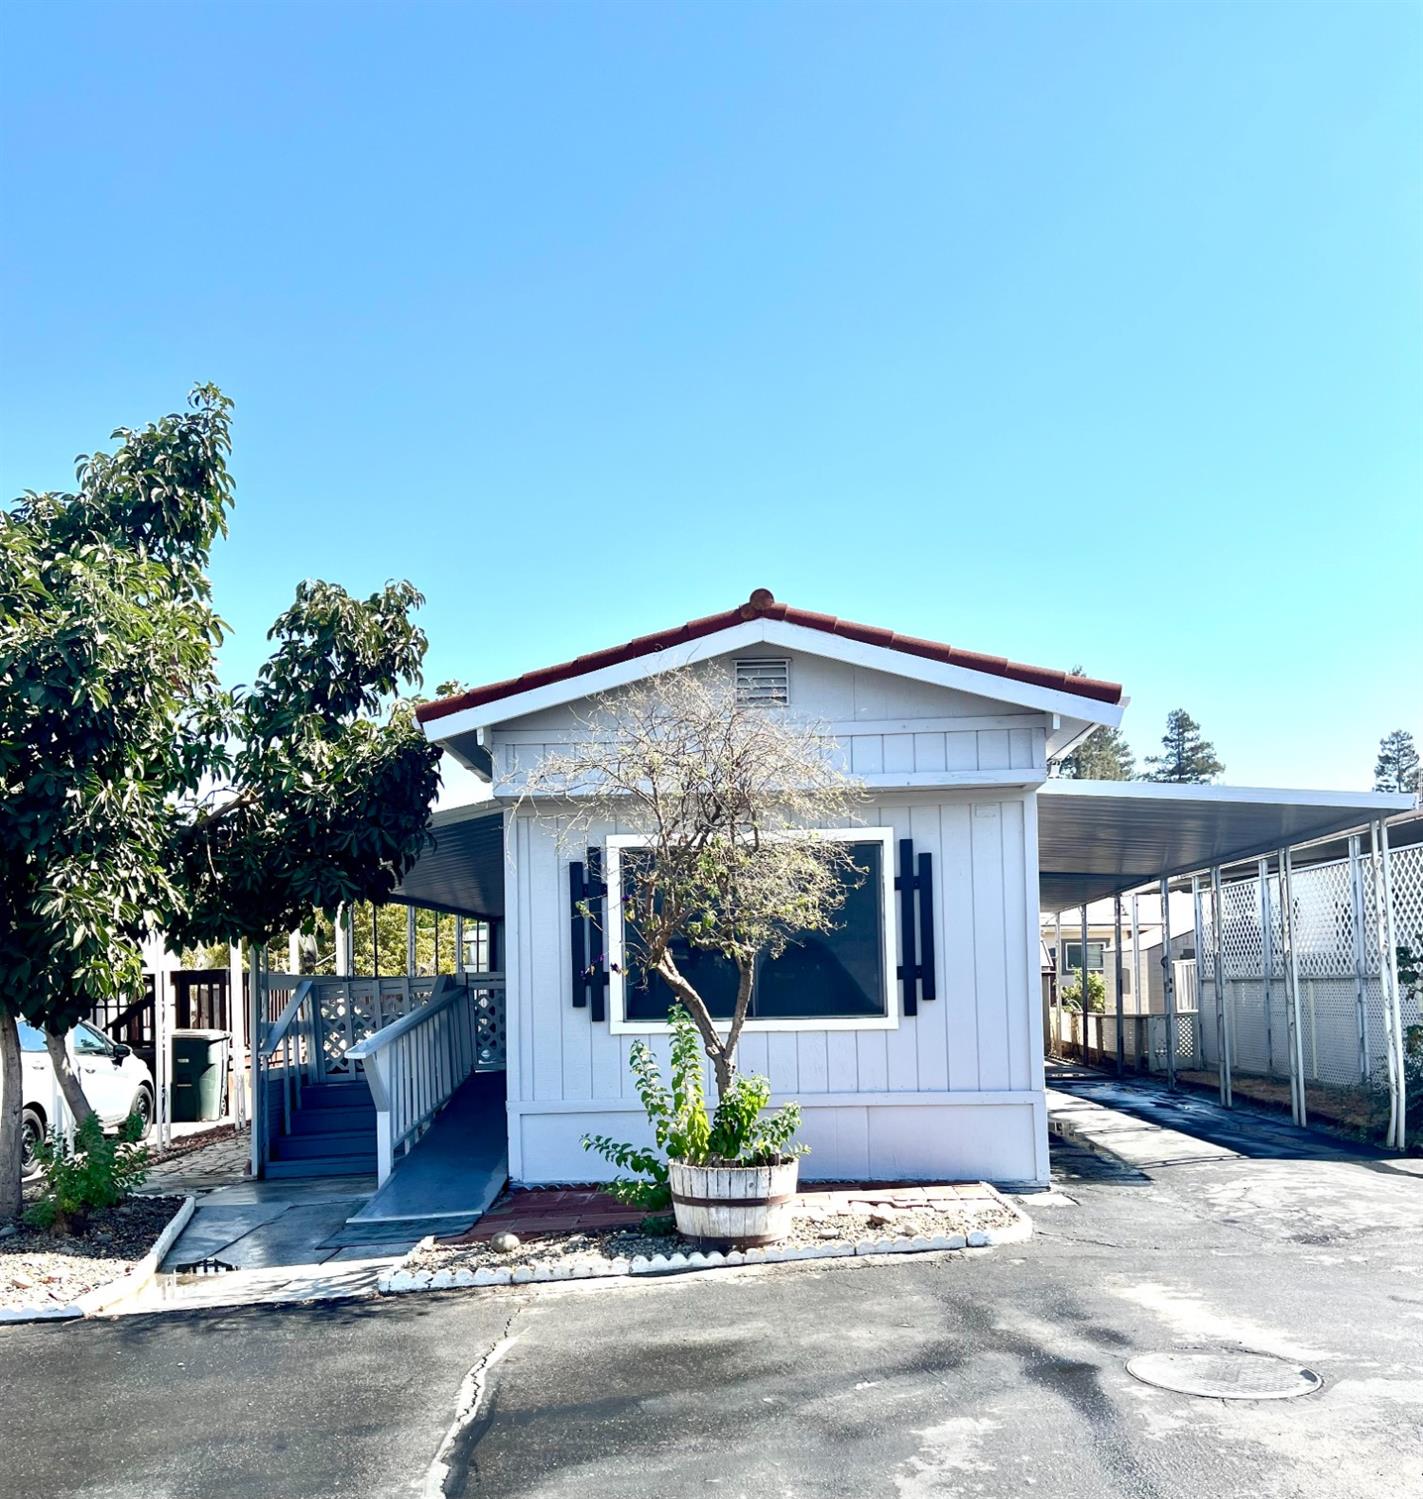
(1144, 1122)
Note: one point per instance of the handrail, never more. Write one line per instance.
(278, 1033)
(444, 994)
(414, 1065)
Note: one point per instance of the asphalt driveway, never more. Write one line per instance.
(991, 1373)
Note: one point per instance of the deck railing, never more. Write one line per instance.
(288, 1055)
(415, 1064)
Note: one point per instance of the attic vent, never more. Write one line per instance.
(763, 682)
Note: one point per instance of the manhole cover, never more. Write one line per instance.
(1225, 1376)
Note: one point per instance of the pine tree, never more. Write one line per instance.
(1396, 768)
(1187, 759)
(1103, 756)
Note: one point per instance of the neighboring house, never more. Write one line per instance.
(1142, 989)
(926, 1060)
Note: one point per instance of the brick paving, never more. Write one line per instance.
(535, 1212)
(211, 1163)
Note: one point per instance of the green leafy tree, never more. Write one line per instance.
(110, 712)
(1186, 757)
(323, 804)
(1396, 768)
(134, 793)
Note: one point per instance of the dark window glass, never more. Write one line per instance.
(1096, 952)
(822, 975)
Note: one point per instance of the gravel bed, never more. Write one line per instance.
(38, 1268)
(810, 1227)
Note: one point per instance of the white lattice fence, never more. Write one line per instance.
(1335, 930)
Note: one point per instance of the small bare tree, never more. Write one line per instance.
(730, 795)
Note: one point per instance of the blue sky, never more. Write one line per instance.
(1071, 332)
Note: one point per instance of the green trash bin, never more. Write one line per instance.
(200, 1062)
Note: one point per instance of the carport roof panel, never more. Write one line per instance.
(463, 868)
(1099, 838)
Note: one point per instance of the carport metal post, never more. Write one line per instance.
(256, 1036)
(1082, 986)
(1299, 1104)
(162, 1061)
(1198, 937)
(1143, 999)
(1356, 896)
(1267, 962)
(1222, 1020)
(1388, 975)
(1117, 936)
(237, 1015)
(1057, 965)
(1168, 981)
(341, 936)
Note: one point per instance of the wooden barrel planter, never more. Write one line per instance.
(742, 1205)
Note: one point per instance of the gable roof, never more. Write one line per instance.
(763, 605)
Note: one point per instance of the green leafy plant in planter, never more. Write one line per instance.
(738, 1133)
(97, 1171)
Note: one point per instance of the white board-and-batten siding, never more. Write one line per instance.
(952, 1091)
(886, 727)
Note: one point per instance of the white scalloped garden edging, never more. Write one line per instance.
(104, 1298)
(398, 1280)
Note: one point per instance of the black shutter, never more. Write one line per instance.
(586, 903)
(916, 938)
(577, 931)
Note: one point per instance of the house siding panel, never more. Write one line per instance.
(977, 1035)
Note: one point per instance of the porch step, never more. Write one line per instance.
(333, 1132)
(333, 1119)
(348, 1142)
(332, 1095)
(324, 1166)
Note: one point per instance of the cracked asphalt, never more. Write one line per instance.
(986, 1373)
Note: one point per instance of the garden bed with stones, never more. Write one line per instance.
(825, 1226)
(42, 1271)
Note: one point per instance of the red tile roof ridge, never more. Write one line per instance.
(763, 605)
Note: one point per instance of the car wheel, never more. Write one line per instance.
(31, 1138)
(143, 1107)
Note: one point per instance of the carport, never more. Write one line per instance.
(1111, 840)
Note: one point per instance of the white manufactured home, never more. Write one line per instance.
(920, 1056)
(925, 1068)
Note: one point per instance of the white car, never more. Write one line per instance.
(115, 1082)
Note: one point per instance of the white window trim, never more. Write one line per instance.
(889, 1021)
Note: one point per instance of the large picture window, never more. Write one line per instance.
(843, 977)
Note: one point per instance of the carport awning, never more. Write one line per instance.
(1099, 838)
(463, 869)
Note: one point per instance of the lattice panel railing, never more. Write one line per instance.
(1324, 922)
(1343, 1038)
(1242, 943)
(489, 1032)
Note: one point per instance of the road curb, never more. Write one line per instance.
(114, 1292)
(400, 1281)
